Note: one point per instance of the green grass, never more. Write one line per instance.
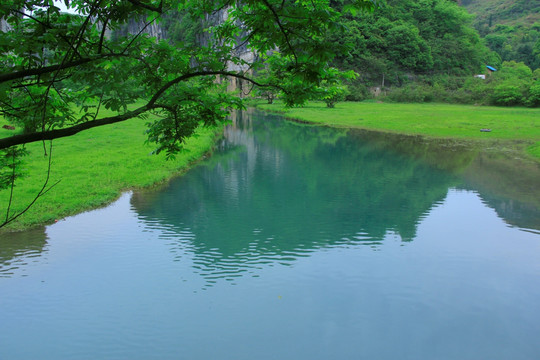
(94, 167)
(433, 120)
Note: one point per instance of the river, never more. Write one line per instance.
(291, 242)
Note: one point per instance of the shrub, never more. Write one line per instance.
(534, 95)
(415, 93)
(507, 94)
(357, 91)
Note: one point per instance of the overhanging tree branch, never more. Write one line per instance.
(72, 130)
(52, 68)
(152, 104)
(41, 192)
(281, 29)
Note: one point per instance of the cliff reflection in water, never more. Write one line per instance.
(276, 190)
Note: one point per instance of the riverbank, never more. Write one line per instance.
(93, 168)
(520, 126)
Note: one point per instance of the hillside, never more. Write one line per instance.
(510, 27)
(507, 12)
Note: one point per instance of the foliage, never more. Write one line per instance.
(332, 93)
(534, 95)
(53, 59)
(181, 28)
(514, 84)
(411, 93)
(55, 63)
(332, 89)
(10, 165)
(409, 37)
(511, 85)
(267, 92)
(510, 28)
(507, 94)
(94, 167)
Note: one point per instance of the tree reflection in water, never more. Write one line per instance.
(274, 191)
(17, 250)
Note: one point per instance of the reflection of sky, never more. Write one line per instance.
(133, 281)
(63, 8)
(110, 285)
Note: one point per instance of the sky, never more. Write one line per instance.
(63, 7)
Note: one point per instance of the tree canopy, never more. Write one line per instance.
(409, 37)
(58, 69)
(53, 60)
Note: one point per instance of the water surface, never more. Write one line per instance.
(291, 242)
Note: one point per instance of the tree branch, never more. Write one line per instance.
(72, 130)
(102, 36)
(51, 68)
(152, 104)
(48, 26)
(41, 192)
(282, 29)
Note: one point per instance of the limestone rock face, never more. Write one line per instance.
(4, 25)
(242, 51)
(154, 29)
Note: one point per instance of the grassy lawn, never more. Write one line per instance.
(93, 168)
(434, 120)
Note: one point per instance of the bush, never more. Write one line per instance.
(472, 91)
(414, 93)
(534, 95)
(357, 92)
(507, 94)
(332, 94)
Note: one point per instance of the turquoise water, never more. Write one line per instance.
(291, 242)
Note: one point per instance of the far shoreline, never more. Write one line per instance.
(518, 127)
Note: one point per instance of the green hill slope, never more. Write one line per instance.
(510, 27)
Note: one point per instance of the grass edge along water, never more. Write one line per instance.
(516, 125)
(93, 168)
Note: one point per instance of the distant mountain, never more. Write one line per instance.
(510, 27)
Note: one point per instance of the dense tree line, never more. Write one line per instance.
(514, 84)
(410, 37)
(429, 50)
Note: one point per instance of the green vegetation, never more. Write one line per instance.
(510, 28)
(408, 38)
(55, 64)
(93, 168)
(430, 51)
(514, 84)
(434, 120)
